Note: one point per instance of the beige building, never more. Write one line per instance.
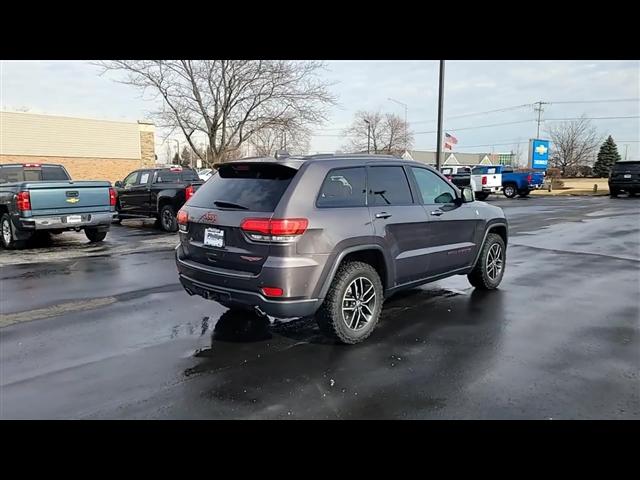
(89, 149)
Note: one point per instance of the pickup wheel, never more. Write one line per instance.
(524, 193)
(509, 190)
(481, 195)
(168, 221)
(7, 234)
(94, 235)
(489, 270)
(352, 307)
(613, 193)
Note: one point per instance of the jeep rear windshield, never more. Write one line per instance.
(20, 173)
(255, 187)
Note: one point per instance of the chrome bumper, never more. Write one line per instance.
(57, 222)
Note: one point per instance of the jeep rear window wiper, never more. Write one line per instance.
(223, 204)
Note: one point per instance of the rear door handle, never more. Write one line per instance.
(437, 213)
(383, 215)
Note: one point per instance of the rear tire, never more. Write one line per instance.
(168, 221)
(489, 270)
(509, 190)
(351, 309)
(481, 196)
(94, 235)
(6, 234)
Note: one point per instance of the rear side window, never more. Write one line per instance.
(54, 173)
(249, 186)
(11, 174)
(389, 186)
(344, 187)
(167, 176)
(189, 176)
(35, 174)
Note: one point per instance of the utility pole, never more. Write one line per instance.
(626, 149)
(284, 140)
(368, 135)
(539, 109)
(440, 107)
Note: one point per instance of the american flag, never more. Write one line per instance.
(450, 139)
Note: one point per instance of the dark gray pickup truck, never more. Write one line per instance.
(37, 198)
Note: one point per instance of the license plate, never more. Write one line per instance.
(214, 237)
(74, 218)
(627, 175)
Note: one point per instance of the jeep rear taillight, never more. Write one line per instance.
(274, 229)
(484, 180)
(113, 196)
(23, 201)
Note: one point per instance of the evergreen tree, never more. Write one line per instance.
(607, 156)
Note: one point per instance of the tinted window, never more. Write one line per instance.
(54, 173)
(11, 174)
(36, 174)
(256, 187)
(144, 177)
(190, 176)
(389, 186)
(167, 176)
(131, 179)
(345, 187)
(432, 188)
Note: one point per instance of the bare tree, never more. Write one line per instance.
(290, 135)
(389, 133)
(574, 144)
(228, 101)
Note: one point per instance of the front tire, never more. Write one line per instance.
(481, 196)
(509, 190)
(524, 193)
(94, 235)
(489, 270)
(6, 234)
(613, 193)
(351, 309)
(168, 221)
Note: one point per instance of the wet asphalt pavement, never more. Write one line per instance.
(107, 332)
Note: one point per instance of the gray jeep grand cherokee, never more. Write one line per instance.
(333, 236)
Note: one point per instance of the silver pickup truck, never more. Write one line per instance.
(37, 198)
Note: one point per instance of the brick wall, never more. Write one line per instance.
(111, 169)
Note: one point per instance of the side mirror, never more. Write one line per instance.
(467, 195)
(118, 184)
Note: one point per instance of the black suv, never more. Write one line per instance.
(624, 177)
(333, 236)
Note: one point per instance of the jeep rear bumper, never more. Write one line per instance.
(203, 281)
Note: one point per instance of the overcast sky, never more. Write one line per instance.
(76, 89)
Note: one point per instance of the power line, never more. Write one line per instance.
(590, 118)
(479, 113)
(601, 101)
(477, 126)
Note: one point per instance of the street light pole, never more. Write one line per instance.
(440, 107)
(406, 110)
(368, 135)
(177, 143)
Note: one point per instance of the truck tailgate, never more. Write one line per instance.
(62, 197)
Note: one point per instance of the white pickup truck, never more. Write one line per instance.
(487, 180)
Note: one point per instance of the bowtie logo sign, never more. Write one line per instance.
(541, 149)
